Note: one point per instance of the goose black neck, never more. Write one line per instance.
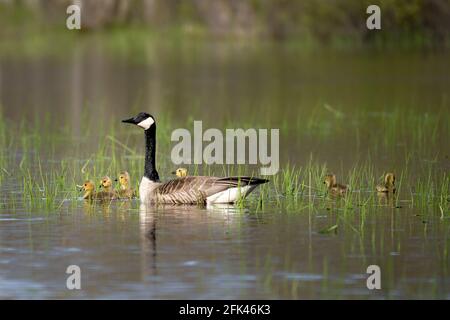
(150, 150)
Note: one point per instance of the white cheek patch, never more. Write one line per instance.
(147, 123)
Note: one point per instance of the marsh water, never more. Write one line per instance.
(383, 111)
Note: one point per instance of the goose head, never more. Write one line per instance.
(147, 122)
(143, 120)
(124, 179)
(389, 180)
(180, 172)
(106, 183)
(330, 180)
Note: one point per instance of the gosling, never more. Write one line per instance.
(125, 191)
(333, 187)
(106, 184)
(90, 193)
(389, 184)
(180, 172)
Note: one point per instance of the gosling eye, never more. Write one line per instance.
(85, 184)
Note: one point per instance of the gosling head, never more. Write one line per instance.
(143, 120)
(389, 179)
(180, 172)
(106, 183)
(330, 180)
(124, 179)
(88, 187)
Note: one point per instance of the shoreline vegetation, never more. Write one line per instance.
(40, 170)
(305, 26)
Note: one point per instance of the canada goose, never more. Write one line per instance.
(185, 190)
(180, 172)
(90, 194)
(125, 190)
(333, 187)
(389, 184)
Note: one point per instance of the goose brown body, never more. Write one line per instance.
(197, 189)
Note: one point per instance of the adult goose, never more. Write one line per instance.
(185, 190)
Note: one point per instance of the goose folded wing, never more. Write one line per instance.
(242, 181)
(195, 189)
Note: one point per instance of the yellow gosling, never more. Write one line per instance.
(125, 191)
(107, 192)
(106, 184)
(90, 194)
(333, 187)
(180, 172)
(89, 189)
(389, 184)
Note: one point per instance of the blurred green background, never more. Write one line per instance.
(415, 23)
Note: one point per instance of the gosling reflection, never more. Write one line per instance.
(92, 207)
(386, 199)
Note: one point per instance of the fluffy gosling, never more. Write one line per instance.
(90, 194)
(180, 172)
(389, 184)
(107, 192)
(333, 187)
(125, 191)
(89, 189)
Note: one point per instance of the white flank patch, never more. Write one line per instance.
(147, 123)
(230, 195)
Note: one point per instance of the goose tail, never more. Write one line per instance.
(237, 187)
